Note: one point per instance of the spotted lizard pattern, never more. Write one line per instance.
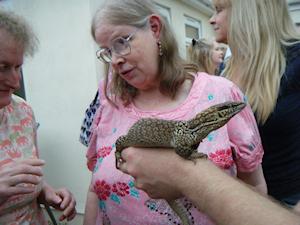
(183, 136)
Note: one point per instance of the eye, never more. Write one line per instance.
(19, 67)
(125, 37)
(218, 9)
(4, 67)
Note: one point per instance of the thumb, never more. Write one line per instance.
(55, 199)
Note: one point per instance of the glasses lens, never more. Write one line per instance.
(121, 46)
(104, 55)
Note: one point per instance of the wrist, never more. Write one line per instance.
(198, 179)
(189, 176)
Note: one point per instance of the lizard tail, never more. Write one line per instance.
(180, 211)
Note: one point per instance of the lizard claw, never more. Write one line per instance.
(119, 159)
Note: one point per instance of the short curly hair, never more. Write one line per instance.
(19, 29)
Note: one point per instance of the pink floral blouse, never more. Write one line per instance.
(235, 146)
(17, 141)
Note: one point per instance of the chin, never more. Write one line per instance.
(5, 102)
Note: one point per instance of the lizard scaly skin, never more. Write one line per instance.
(183, 136)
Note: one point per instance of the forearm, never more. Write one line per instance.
(255, 179)
(228, 201)
(91, 208)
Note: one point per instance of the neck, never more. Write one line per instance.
(155, 100)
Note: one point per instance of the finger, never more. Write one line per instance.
(66, 197)
(125, 154)
(72, 216)
(123, 167)
(68, 215)
(26, 169)
(24, 179)
(54, 200)
(33, 162)
(17, 190)
(69, 210)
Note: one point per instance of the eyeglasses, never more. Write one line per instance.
(119, 46)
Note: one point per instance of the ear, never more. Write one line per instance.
(155, 25)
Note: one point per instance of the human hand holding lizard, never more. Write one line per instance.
(159, 172)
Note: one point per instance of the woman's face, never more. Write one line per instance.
(219, 21)
(11, 60)
(139, 67)
(217, 54)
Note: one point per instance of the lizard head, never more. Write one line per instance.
(216, 116)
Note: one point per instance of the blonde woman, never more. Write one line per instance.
(265, 64)
(208, 55)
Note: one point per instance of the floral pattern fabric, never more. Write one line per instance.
(235, 146)
(17, 142)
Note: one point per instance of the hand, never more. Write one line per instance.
(156, 171)
(20, 177)
(297, 208)
(61, 199)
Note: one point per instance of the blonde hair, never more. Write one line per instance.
(19, 30)
(259, 32)
(200, 53)
(135, 13)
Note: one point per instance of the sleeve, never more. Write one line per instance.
(244, 136)
(85, 129)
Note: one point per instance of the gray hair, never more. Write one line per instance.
(172, 68)
(19, 29)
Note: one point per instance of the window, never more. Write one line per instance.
(193, 29)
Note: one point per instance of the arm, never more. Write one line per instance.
(61, 199)
(164, 174)
(20, 177)
(255, 178)
(91, 208)
(246, 145)
(235, 203)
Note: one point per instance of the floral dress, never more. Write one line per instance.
(17, 142)
(235, 146)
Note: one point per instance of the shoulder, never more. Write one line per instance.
(219, 87)
(21, 106)
(213, 80)
(293, 52)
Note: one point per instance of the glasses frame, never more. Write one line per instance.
(106, 58)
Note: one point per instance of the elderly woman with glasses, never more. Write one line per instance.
(150, 79)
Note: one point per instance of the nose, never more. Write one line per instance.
(13, 79)
(212, 19)
(116, 60)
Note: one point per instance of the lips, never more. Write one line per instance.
(126, 73)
